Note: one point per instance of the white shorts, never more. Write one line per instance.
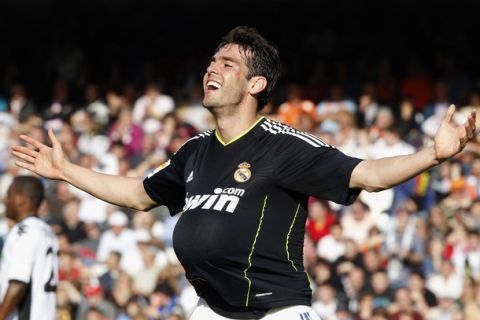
(203, 312)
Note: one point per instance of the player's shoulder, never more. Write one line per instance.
(201, 136)
(285, 134)
(32, 226)
(193, 142)
(25, 228)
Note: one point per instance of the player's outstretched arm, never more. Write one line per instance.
(50, 162)
(380, 174)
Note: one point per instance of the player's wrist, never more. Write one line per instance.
(431, 154)
(65, 172)
(433, 158)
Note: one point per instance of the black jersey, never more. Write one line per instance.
(244, 207)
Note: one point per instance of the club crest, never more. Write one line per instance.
(243, 173)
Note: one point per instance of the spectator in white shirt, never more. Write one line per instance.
(332, 246)
(118, 237)
(154, 104)
(466, 255)
(325, 304)
(356, 222)
(446, 283)
(390, 144)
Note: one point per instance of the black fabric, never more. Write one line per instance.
(166, 185)
(244, 210)
(221, 307)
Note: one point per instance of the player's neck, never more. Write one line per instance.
(23, 216)
(231, 126)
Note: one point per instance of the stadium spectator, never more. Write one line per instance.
(95, 105)
(119, 237)
(122, 291)
(61, 108)
(381, 290)
(320, 219)
(374, 241)
(325, 303)
(87, 248)
(372, 262)
(422, 297)
(108, 279)
(329, 108)
(93, 296)
(150, 108)
(127, 133)
(434, 112)
(403, 307)
(447, 308)
(367, 107)
(332, 246)
(446, 283)
(352, 290)
(21, 106)
(356, 222)
(163, 302)
(71, 225)
(297, 111)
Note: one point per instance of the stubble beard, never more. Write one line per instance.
(223, 104)
(216, 105)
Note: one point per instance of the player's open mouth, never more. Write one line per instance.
(212, 85)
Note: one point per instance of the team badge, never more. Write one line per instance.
(160, 167)
(243, 173)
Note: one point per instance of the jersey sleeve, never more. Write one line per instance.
(23, 254)
(316, 169)
(166, 184)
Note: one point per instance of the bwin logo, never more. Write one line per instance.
(222, 200)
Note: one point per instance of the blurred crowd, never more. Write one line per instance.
(412, 252)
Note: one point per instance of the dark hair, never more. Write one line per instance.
(117, 254)
(418, 274)
(380, 311)
(165, 287)
(95, 310)
(261, 57)
(30, 187)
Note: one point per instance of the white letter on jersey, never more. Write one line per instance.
(195, 201)
(210, 202)
(233, 201)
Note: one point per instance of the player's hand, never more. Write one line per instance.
(450, 139)
(40, 158)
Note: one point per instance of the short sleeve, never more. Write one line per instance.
(317, 170)
(166, 185)
(22, 253)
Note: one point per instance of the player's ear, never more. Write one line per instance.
(257, 84)
(21, 201)
(25, 201)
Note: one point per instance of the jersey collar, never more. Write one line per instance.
(239, 136)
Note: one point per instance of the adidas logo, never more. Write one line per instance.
(190, 177)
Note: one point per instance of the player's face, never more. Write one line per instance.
(225, 82)
(11, 204)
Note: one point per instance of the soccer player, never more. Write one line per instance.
(243, 187)
(29, 265)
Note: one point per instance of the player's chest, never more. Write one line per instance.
(238, 170)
